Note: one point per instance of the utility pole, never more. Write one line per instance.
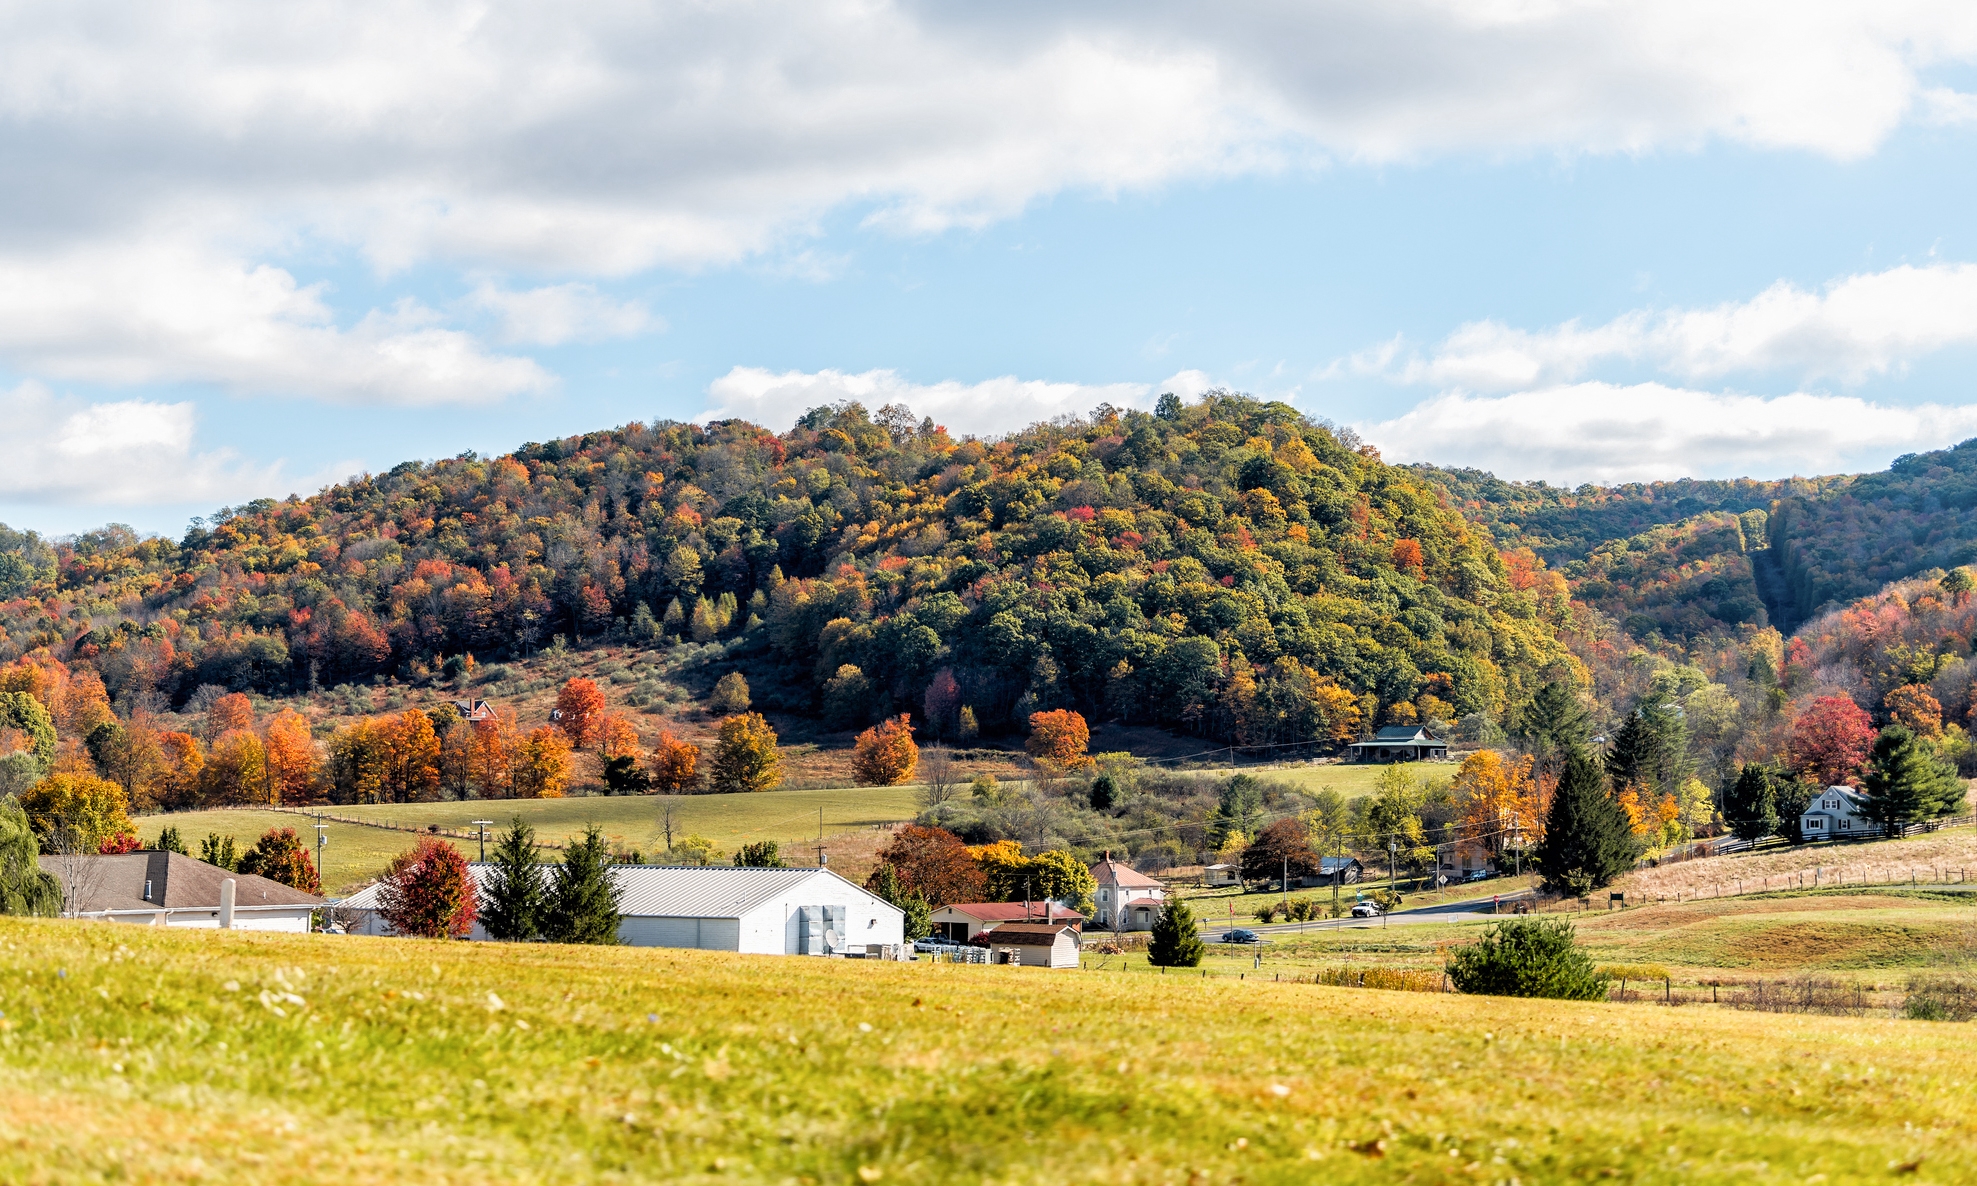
(1393, 881)
(820, 836)
(1287, 887)
(482, 824)
(321, 839)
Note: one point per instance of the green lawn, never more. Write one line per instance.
(356, 853)
(133, 1054)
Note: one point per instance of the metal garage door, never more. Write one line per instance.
(711, 934)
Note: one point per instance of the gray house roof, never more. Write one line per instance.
(178, 882)
(1395, 734)
(669, 891)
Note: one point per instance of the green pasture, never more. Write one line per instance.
(355, 853)
(135, 1054)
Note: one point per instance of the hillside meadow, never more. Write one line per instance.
(133, 1054)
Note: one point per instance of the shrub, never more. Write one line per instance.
(279, 856)
(885, 754)
(428, 892)
(746, 758)
(1527, 957)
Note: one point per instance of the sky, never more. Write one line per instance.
(249, 250)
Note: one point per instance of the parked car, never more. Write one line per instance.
(1241, 935)
(935, 943)
(1365, 910)
(1479, 875)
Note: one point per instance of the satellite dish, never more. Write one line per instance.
(831, 941)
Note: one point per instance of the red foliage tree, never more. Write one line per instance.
(1831, 739)
(582, 707)
(428, 892)
(1407, 556)
(934, 863)
(943, 703)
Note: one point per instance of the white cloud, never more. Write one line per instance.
(124, 453)
(1600, 432)
(995, 406)
(556, 314)
(1852, 329)
(159, 311)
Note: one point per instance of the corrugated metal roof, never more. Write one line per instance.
(670, 891)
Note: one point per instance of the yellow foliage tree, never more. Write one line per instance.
(236, 770)
(1497, 798)
(539, 765)
(746, 757)
(78, 810)
(291, 757)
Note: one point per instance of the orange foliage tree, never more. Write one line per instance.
(1059, 738)
(580, 709)
(487, 756)
(885, 755)
(229, 713)
(184, 758)
(236, 770)
(291, 757)
(675, 764)
(1497, 798)
(1913, 706)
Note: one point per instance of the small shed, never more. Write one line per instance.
(169, 889)
(962, 921)
(1220, 875)
(1398, 743)
(1034, 945)
(1335, 871)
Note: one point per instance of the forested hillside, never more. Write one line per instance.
(1882, 527)
(1681, 581)
(1229, 567)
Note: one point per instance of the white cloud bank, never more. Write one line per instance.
(172, 158)
(1852, 329)
(125, 453)
(994, 406)
(1603, 433)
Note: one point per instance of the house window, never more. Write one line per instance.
(1846, 825)
(1812, 825)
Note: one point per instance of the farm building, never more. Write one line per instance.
(169, 889)
(1220, 875)
(807, 911)
(1837, 813)
(1128, 900)
(1034, 945)
(1334, 871)
(962, 921)
(1398, 743)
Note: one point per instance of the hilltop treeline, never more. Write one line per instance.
(1228, 566)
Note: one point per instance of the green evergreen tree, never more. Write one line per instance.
(1906, 782)
(1794, 796)
(516, 899)
(1238, 811)
(1588, 840)
(1751, 805)
(169, 840)
(919, 917)
(1554, 723)
(25, 887)
(1635, 758)
(583, 898)
(1175, 942)
(216, 849)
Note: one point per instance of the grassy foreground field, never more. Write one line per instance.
(356, 853)
(132, 1054)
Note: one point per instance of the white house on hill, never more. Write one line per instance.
(1128, 900)
(807, 911)
(1837, 813)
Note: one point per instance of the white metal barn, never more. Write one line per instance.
(807, 911)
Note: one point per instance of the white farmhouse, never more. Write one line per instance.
(1837, 813)
(1128, 900)
(806, 911)
(169, 889)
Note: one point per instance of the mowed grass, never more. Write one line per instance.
(141, 1055)
(1830, 931)
(356, 853)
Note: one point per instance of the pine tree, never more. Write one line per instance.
(1906, 781)
(1635, 757)
(515, 898)
(1752, 804)
(583, 898)
(1554, 722)
(1175, 943)
(1588, 840)
(169, 840)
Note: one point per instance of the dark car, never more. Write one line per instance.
(1242, 935)
(1479, 875)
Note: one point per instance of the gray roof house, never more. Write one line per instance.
(1837, 813)
(801, 911)
(169, 889)
(1398, 743)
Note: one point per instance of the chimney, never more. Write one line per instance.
(226, 904)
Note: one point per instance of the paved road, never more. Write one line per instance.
(1439, 912)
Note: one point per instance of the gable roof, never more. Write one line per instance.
(1028, 934)
(673, 891)
(178, 882)
(1393, 734)
(1334, 864)
(1851, 801)
(1113, 875)
(1010, 911)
